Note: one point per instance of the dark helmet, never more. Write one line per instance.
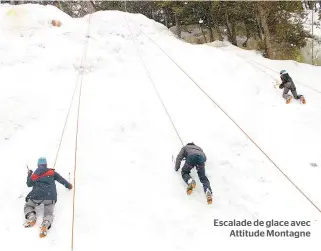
(283, 72)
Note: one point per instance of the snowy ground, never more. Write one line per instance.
(127, 193)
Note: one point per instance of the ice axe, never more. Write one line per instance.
(28, 169)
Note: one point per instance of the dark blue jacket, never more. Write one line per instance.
(43, 184)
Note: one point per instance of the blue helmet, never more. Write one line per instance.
(283, 72)
(42, 162)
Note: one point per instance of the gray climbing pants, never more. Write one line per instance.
(290, 87)
(49, 205)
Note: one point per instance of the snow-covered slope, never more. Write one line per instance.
(128, 195)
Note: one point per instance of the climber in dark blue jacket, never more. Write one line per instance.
(43, 192)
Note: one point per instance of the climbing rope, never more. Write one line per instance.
(153, 83)
(65, 124)
(81, 75)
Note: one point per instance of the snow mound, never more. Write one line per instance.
(29, 17)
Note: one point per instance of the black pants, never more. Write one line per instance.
(201, 175)
(290, 87)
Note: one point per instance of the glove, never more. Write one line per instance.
(70, 187)
(176, 169)
(281, 86)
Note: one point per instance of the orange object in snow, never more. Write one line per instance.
(56, 23)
